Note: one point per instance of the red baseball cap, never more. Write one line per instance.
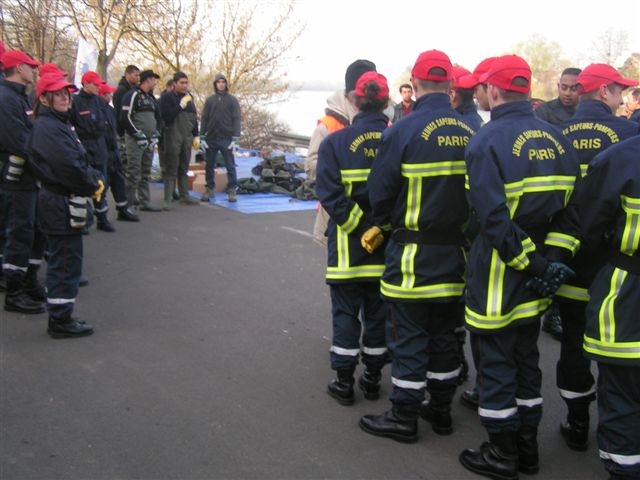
(13, 58)
(432, 59)
(47, 68)
(106, 88)
(482, 68)
(462, 78)
(376, 78)
(91, 77)
(597, 74)
(52, 83)
(504, 70)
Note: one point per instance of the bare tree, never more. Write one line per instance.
(610, 46)
(38, 28)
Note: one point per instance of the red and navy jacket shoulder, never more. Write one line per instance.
(610, 220)
(344, 165)
(416, 189)
(15, 124)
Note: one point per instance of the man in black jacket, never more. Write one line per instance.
(220, 129)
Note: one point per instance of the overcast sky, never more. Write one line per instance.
(392, 34)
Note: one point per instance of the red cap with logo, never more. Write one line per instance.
(429, 60)
(597, 74)
(13, 58)
(376, 78)
(505, 70)
(91, 77)
(47, 68)
(106, 88)
(52, 83)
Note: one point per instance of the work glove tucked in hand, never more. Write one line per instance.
(141, 139)
(372, 239)
(97, 195)
(195, 143)
(203, 145)
(233, 146)
(551, 279)
(184, 101)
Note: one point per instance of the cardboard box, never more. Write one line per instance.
(197, 180)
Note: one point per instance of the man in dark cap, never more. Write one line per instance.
(140, 117)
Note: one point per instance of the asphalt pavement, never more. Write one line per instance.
(210, 361)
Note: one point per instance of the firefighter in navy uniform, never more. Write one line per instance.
(610, 220)
(521, 173)
(592, 129)
(60, 162)
(353, 274)
(23, 242)
(416, 189)
(89, 117)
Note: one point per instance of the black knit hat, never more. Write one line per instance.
(355, 71)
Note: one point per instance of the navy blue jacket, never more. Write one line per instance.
(592, 129)
(170, 108)
(88, 115)
(110, 135)
(15, 125)
(59, 161)
(416, 188)
(344, 164)
(469, 112)
(521, 172)
(609, 220)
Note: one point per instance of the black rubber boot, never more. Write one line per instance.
(17, 300)
(470, 399)
(32, 286)
(103, 223)
(342, 388)
(126, 215)
(497, 458)
(575, 433)
(398, 424)
(552, 322)
(438, 416)
(68, 328)
(369, 383)
(528, 459)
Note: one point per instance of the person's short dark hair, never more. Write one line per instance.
(433, 85)
(179, 75)
(404, 85)
(571, 71)
(131, 69)
(465, 94)
(510, 95)
(635, 93)
(169, 83)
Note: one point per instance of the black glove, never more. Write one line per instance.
(552, 278)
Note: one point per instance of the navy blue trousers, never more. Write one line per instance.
(221, 146)
(357, 310)
(63, 274)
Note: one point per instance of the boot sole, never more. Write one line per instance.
(11, 308)
(368, 395)
(578, 447)
(437, 429)
(58, 335)
(391, 435)
(484, 473)
(529, 470)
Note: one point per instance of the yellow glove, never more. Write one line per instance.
(97, 195)
(372, 239)
(184, 101)
(195, 144)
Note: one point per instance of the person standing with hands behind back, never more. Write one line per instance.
(220, 130)
(344, 164)
(59, 161)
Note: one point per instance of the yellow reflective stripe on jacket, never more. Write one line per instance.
(351, 223)
(495, 286)
(574, 293)
(355, 175)
(583, 168)
(630, 241)
(438, 290)
(433, 169)
(342, 248)
(491, 321)
(606, 315)
(407, 265)
(521, 261)
(362, 271)
(611, 349)
(515, 190)
(562, 240)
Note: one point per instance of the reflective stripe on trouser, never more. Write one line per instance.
(221, 146)
(509, 378)
(138, 170)
(24, 242)
(351, 302)
(573, 371)
(424, 349)
(618, 419)
(63, 274)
